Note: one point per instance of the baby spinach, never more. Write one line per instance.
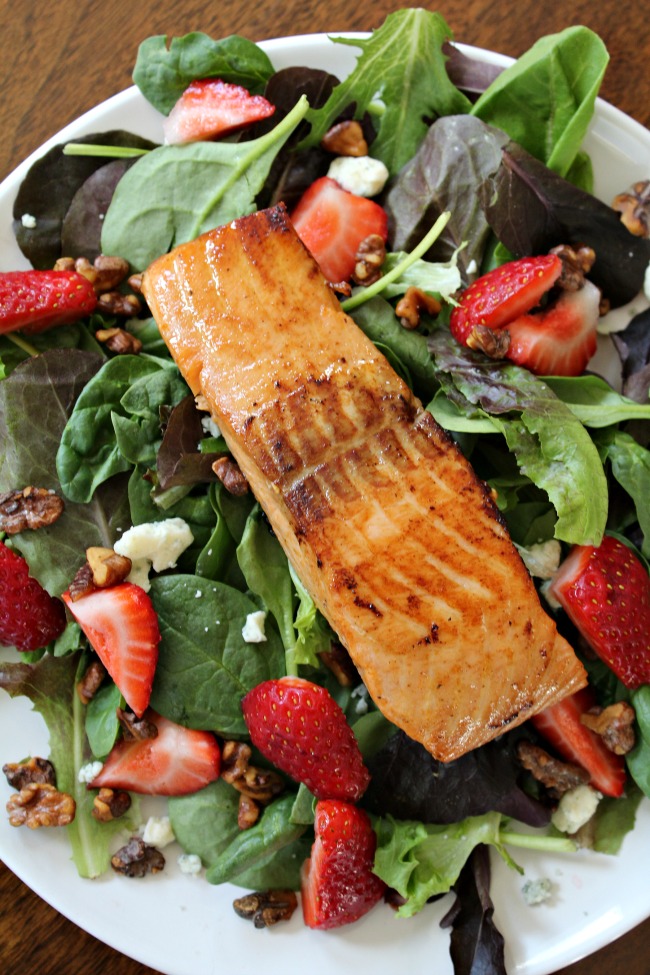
(175, 193)
(401, 64)
(102, 724)
(630, 463)
(205, 667)
(115, 422)
(164, 70)
(638, 760)
(545, 100)
(205, 822)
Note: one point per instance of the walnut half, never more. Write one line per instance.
(265, 908)
(40, 804)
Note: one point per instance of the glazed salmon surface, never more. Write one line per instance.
(384, 521)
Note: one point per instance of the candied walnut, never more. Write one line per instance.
(614, 724)
(82, 584)
(340, 287)
(134, 728)
(108, 568)
(558, 777)
(20, 774)
(248, 812)
(91, 681)
(28, 509)
(110, 804)
(493, 343)
(118, 340)
(105, 273)
(230, 475)
(576, 263)
(116, 303)
(41, 804)
(634, 208)
(262, 785)
(338, 660)
(135, 283)
(137, 859)
(267, 907)
(345, 139)
(412, 304)
(368, 261)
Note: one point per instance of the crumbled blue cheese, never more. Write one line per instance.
(576, 807)
(253, 629)
(158, 832)
(89, 771)
(28, 221)
(156, 545)
(361, 691)
(361, 175)
(542, 559)
(537, 891)
(190, 864)
(210, 427)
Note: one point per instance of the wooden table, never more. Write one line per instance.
(60, 59)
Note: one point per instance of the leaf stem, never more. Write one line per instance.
(22, 344)
(110, 152)
(365, 294)
(532, 841)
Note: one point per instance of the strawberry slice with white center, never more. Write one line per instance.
(337, 883)
(176, 762)
(209, 108)
(332, 223)
(122, 627)
(561, 339)
(37, 300)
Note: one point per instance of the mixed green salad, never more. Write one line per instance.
(120, 438)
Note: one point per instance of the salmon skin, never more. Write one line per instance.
(398, 542)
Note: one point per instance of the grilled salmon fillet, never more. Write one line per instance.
(398, 542)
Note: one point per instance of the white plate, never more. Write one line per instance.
(179, 924)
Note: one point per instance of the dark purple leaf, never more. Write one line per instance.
(476, 944)
(531, 209)
(82, 225)
(408, 783)
(470, 74)
(633, 347)
(179, 460)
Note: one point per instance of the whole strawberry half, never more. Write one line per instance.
(37, 300)
(337, 882)
(299, 727)
(562, 728)
(209, 108)
(331, 222)
(29, 617)
(122, 628)
(605, 591)
(176, 762)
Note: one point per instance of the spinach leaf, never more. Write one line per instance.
(102, 724)
(638, 760)
(545, 100)
(115, 422)
(255, 846)
(51, 687)
(550, 444)
(163, 71)
(205, 667)
(35, 403)
(631, 468)
(458, 154)
(614, 818)
(280, 870)
(175, 193)
(402, 64)
(205, 822)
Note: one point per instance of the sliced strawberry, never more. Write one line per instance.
(209, 108)
(29, 617)
(122, 627)
(174, 763)
(299, 727)
(605, 591)
(36, 300)
(561, 339)
(337, 882)
(561, 726)
(331, 222)
(505, 293)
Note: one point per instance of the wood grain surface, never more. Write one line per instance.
(58, 60)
